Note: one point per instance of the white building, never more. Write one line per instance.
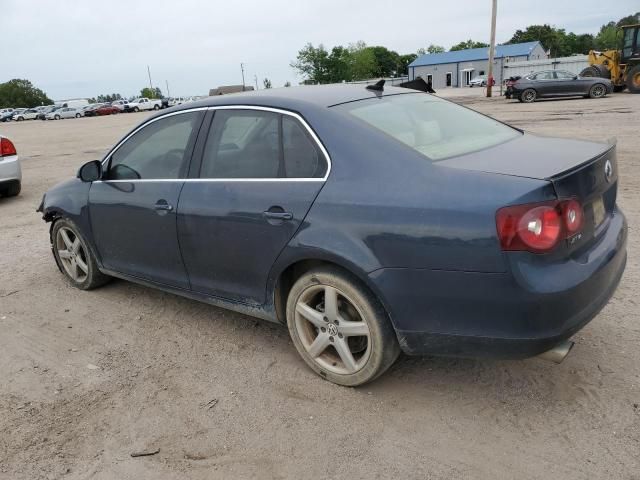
(456, 69)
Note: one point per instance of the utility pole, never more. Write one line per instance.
(167, 82)
(492, 47)
(149, 72)
(242, 69)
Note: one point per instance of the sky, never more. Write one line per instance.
(82, 48)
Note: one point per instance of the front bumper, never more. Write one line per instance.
(516, 314)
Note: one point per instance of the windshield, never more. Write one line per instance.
(436, 128)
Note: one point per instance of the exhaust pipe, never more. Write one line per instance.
(558, 353)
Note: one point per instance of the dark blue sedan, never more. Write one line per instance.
(369, 221)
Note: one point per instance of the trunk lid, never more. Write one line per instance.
(576, 168)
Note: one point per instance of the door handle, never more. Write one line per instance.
(277, 215)
(164, 207)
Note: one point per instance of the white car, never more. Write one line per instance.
(6, 114)
(66, 112)
(120, 104)
(140, 104)
(10, 172)
(480, 81)
(29, 114)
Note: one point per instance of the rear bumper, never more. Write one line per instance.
(516, 314)
(10, 170)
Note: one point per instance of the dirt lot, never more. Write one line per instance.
(90, 377)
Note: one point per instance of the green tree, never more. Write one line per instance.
(552, 39)
(312, 63)
(267, 83)
(433, 49)
(363, 61)
(468, 44)
(151, 93)
(580, 43)
(20, 93)
(387, 62)
(629, 20)
(405, 60)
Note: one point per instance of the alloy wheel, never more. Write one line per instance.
(332, 329)
(598, 91)
(529, 96)
(72, 255)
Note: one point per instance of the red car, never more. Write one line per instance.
(106, 110)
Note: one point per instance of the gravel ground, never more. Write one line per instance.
(90, 377)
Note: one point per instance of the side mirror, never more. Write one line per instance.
(91, 171)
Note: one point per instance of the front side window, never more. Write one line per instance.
(158, 151)
(436, 128)
(253, 144)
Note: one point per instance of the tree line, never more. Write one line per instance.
(359, 61)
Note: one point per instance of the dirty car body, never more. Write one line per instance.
(436, 209)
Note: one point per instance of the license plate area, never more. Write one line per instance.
(598, 211)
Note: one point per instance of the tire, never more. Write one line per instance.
(136, 109)
(78, 115)
(596, 71)
(77, 250)
(19, 119)
(598, 90)
(57, 117)
(633, 79)
(528, 96)
(12, 190)
(156, 107)
(371, 348)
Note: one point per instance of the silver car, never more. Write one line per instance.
(10, 172)
(66, 112)
(30, 114)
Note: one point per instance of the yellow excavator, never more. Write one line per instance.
(621, 66)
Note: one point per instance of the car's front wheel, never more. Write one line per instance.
(597, 91)
(57, 117)
(529, 95)
(74, 258)
(339, 327)
(77, 115)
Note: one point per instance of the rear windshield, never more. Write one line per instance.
(436, 128)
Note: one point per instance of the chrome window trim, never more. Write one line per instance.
(226, 107)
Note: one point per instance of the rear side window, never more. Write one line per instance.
(436, 128)
(254, 144)
(158, 151)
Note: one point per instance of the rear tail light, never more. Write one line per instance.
(538, 227)
(7, 148)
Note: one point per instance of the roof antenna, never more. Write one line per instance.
(378, 87)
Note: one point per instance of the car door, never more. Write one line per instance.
(567, 84)
(261, 170)
(545, 84)
(133, 208)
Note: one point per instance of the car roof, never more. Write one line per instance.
(297, 98)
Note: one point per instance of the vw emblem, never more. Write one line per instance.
(332, 329)
(608, 170)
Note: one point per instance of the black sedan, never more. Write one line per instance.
(370, 221)
(558, 83)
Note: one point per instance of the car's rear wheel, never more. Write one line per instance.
(13, 190)
(74, 257)
(156, 107)
(339, 327)
(529, 95)
(136, 109)
(597, 91)
(57, 117)
(77, 115)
